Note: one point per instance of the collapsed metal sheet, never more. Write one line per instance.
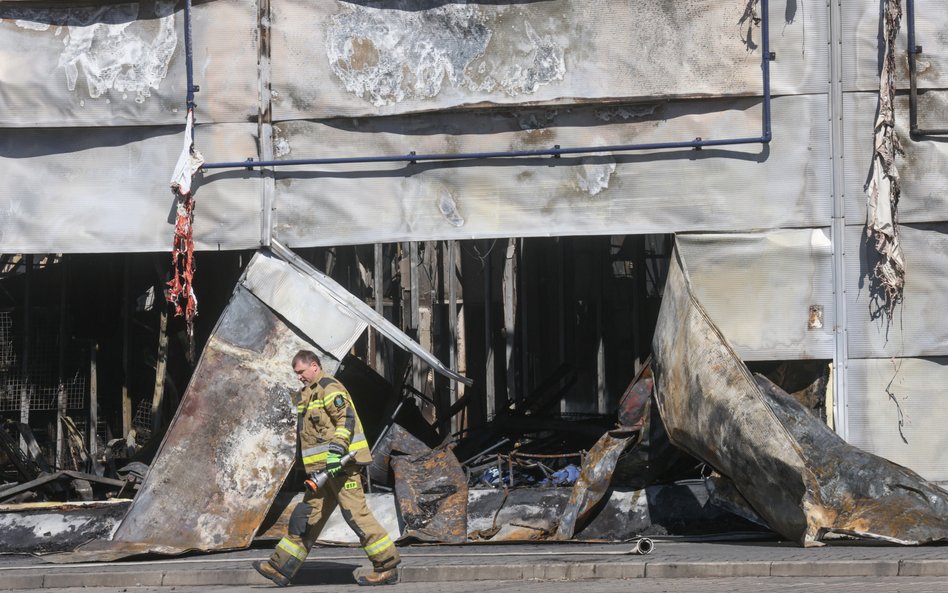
(105, 190)
(230, 446)
(860, 48)
(432, 493)
(525, 514)
(368, 58)
(919, 327)
(40, 528)
(768, 322)
(784, 184)
(279, 285)
(593, 481)
(897, 410)
(123, 64)
(797, 474)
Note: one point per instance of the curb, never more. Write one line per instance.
(26, 577)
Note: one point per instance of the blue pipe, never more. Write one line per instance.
(698, 143)
(188, 56)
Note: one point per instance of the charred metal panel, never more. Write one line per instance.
(515, 515)
(228, 449)
(394, 58)
(861, 57)
(785, 184)
(123, 64)
(431, 489)
(897, 409)
(39, 528)
(919, 327)
(923, 169)
(280, 286)
(770, 320)
(99, 190)
(798, 474)
(533, 513)
(594, 480)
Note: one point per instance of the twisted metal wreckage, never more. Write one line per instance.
(228, 451)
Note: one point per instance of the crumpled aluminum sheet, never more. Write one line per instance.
(431, 489)
(795, 472)
(228, 450)
(594, 480)
(42, 528)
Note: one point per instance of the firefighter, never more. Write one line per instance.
(328, 428)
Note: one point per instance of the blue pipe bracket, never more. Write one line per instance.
(556, 151)
(914, 49)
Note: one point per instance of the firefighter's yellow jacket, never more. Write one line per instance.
(326, 415)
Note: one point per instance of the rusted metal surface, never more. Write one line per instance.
(228, 449)
(431, 489)
(793, 470)
(633, 407)
(41, 528)
(594, 478)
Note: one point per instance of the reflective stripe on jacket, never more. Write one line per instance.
(327, 415)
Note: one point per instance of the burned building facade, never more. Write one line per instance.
(502, 183)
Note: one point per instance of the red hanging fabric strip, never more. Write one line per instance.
(180, 287)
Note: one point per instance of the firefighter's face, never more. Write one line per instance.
(306, 372)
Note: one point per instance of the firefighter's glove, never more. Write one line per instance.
(333, 463)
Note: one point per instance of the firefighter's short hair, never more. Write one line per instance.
(307, 357)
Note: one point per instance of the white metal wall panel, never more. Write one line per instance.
(898, 409)
(786, 184)
(862, 54)
(94, 190)
(123, 64)
(304, 303)
(356, 59)
(922, 168)
(920, 327)
(758, 289)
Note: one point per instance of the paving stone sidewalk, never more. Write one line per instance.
(671, 558)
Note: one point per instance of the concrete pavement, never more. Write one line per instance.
(672, 558)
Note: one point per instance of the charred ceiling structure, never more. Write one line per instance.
(473, 210)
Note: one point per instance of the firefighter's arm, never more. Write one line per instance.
(338, 406)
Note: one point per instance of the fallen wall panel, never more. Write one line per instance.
(794, 471)
(230, 446)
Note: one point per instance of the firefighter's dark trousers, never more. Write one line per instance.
(310, 516)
